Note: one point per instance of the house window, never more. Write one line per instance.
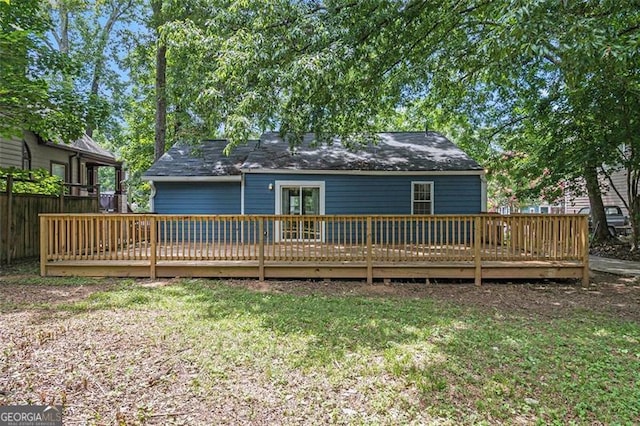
(300, 198)
(26, 156)
(422, 198)
(60, 170)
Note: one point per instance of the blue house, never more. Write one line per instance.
(404, 173)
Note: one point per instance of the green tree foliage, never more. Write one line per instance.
(91, 32)
(38, 181)
(551, 84)
(573, 94)
(139, 150)
(34, 93)
(143, 140)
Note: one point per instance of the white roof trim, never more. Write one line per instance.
(224, 178)
(367, 172)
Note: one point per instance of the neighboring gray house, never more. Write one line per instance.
(76, 163)
(404, 173)
(573, 203)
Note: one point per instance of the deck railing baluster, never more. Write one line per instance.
(347, 242)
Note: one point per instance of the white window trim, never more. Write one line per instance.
(413, 188)
(483, 194)
(279, 184)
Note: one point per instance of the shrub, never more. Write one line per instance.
(37, 181)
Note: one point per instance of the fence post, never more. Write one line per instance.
(261, 249)
(61, 200)
(369, 252)
(152, 254)
(477, 249)
(8, 234)
(44, 235)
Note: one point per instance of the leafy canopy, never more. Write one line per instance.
(34, 94)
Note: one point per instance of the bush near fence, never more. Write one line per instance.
(19, 223)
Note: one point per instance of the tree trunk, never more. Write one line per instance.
(64, 29)
(633, 178)
(634, 218)
(98, 68)
(598, 216)
(161, 100)
(161, 82)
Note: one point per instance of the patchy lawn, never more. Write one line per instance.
(189, 351)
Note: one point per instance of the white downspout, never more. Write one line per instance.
(483, 193)
(152, 198)
(242, 206)
(241, 193)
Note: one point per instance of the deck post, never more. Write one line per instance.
(369, 251)
(477, 249)
(261, 249)
(44, 234)
(154, 247)
(584, 240)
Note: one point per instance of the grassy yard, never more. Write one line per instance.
(192, 351)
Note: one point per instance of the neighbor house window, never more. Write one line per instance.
(60, 170)
(26, 156)
(422, 198)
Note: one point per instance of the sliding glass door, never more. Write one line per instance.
(300, 199)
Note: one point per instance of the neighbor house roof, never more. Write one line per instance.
(393, 152)
(87, 147)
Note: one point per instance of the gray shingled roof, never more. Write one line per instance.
(84, 145)
(206, 159)
(401, 151)
(87, 144)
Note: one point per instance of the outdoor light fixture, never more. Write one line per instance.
(270, 187)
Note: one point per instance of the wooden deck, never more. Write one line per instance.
(329, 247)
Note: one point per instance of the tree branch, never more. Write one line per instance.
(509, 123)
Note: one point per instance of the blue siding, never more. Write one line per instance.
(197, 198)
(344, 194)
(352, 194)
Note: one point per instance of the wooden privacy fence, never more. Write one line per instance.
(273, 246)
(19, 226)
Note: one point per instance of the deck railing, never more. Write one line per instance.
(348, 239)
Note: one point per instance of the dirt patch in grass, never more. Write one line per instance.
(610, 294)
(21, 294)
(607, 293)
